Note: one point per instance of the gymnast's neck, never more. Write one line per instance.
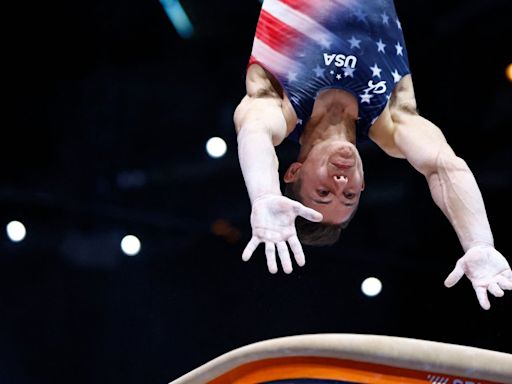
(333, 118)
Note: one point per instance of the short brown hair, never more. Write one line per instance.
(309, 232)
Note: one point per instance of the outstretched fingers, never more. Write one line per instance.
(270, 253)
(481, 295)
(454, 277)
(507, 275)
(495, 289)
(504, 283)
(501, 283)
(284, 255)
(250, 248)
(296, 248)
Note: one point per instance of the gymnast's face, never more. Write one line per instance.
(331, 180)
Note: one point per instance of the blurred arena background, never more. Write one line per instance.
(108, 106)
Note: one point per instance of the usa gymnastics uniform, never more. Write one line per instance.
(312, 45)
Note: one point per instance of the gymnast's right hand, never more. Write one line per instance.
(273, 223)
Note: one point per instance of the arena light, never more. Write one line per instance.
(130, 245)
(178, 18)
(216, 147)
(508, 72)
(371, 286)
(16, 231)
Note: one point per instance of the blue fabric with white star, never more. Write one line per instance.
(371, 32)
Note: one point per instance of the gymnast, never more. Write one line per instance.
(331, 74)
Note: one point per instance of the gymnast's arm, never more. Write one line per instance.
(454, 190)
(260, 125)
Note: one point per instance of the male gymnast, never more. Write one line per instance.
(330, 74)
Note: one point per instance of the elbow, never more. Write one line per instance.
(446, 162)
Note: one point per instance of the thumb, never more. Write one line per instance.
(308, 213)
(454, 277)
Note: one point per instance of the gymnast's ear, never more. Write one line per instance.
(292, 173)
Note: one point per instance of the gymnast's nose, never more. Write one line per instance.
(340, 179)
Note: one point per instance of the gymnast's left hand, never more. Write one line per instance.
(273, 223)
(487, 270)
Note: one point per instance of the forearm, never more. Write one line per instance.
(455, 190)
(258, 162)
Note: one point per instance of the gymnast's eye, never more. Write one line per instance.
(323, 192)
(349, 195)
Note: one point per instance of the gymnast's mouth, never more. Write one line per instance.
(343, 164)
(343, 159)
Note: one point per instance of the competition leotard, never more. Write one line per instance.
(312, 45)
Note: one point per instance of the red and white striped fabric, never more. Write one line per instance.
(285, 25)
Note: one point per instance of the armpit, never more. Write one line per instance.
(265, 93)
(403, 99)
(261, 83)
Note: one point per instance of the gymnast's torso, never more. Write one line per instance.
(310, 46)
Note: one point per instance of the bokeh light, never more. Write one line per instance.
(371, 286)
(130, 245)
(16, 231)
(216, 147)
(508, 72)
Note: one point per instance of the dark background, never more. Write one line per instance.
(105, 116)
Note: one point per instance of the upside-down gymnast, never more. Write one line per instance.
(330, 74)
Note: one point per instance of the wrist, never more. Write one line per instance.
(480, 243)
(265, 195)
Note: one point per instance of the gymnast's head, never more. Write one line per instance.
(328, 178)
